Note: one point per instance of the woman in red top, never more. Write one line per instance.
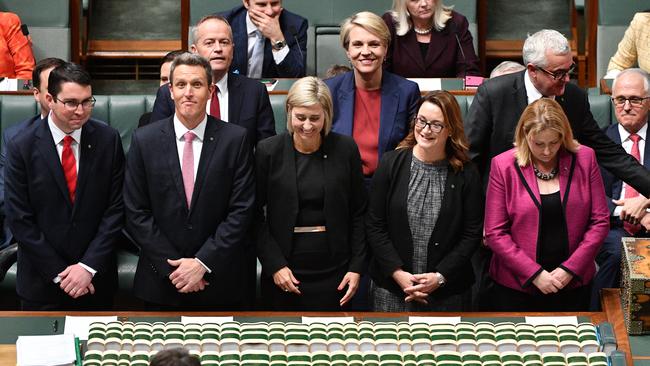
(16, 59)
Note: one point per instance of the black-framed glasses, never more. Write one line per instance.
(72, 105)
(421, 122)
(634, 101)
(559, 74)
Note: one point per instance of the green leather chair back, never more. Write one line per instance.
(16, 108)
(279, 114)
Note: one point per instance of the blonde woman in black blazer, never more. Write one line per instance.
(425, 215)
(311, 202)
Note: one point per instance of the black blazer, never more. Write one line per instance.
(52, 232)
(293, 26)
(345, 200)
(444, 58)
(498, 104)
(214, 226)
(613, 186)
(249, 106)
(455, 237)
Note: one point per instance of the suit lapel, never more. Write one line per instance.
(240, 39)
(437, 45)
(614, 135)
(409, 46)
(170, 153)
(210, 140)
(235, 98)
(47, 149)
(389, 104)
(346, 105)
(646, 152)
(87, 158)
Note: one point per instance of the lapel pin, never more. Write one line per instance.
(325, 156)
(89, 146)
(211, 138)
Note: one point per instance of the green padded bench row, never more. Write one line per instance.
(48, 23)
(613, 18)
(120, 111)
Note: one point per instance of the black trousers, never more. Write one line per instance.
(506, 299)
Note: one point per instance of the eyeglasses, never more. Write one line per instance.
(72, 105)
(559, 74)
(634, 101)
(421, 122)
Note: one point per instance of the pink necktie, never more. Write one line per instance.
(188, 166)
(630, 192)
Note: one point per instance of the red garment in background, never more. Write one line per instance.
(16, 58)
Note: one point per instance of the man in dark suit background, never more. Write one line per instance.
(630, 99)
(189, 195)
(270, 42)
(239, 100)
(39, 88)
(64, 200)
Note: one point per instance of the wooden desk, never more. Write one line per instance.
(611, 313)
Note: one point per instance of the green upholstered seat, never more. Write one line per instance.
(601, 108)
(16, 108)
(279, 114)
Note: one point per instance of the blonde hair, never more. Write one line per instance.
(371, 22)
(543, 114)
(402, 18)
(307, 92)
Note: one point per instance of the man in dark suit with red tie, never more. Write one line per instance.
(189, 194)
(236, 99)
(64, 200)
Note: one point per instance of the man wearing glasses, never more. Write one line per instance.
(64, 200)
(499, 102)
(631, 102)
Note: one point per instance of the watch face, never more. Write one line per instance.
(279, 44)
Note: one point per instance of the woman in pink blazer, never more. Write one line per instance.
(545, 216)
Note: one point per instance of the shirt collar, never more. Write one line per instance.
(531, 91)
(58, 134)
(222, 84)
(626, 135)
(250, 26)
(180, 129)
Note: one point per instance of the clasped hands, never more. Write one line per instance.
(76, 281)
(285, 280)
(552, 282)
(188, 275)
(417, 287)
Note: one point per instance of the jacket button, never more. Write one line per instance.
(189, 227)
(453, 186)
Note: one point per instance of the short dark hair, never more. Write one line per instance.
(66, 73)
(43, 65)
(190, 59)
(174, 357)
(170, 56)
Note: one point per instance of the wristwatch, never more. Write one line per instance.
(441, 280)
(278, 45)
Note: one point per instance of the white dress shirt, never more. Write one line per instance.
(251, 29)
(531, 91)
(627, 145)
(57, 136)
(222, 94)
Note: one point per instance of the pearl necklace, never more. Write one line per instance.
(422, 31)
(545, 176)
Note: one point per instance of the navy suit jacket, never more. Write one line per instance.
(444, 58)
(498, 104)
(52, 232)
(293, 26)
(399, 98)
(613, 185)
(249, 106)
(7, 136)
(212, 229)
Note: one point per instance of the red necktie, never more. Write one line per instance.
(214, 104)
(69, 164)
(630, 192)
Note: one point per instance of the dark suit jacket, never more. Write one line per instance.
(214, 226)
(248, 106)
(7, 136)
(454, 238)
(52, 232)
(345, 201)
(399, 98)
(613, 185)
(293, 26)
(498, 104)
(444, 58)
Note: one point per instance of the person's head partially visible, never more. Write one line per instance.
(174, 357)
(543, 129)
(191, 88)
(506, 67)
(69, 96)
(422, 14)
(365, 38)
(166, 64)
(272, 8)
(548, 59)
(40, 76)
(212, 39)
(631, 99)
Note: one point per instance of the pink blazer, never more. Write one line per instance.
(512, 218)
